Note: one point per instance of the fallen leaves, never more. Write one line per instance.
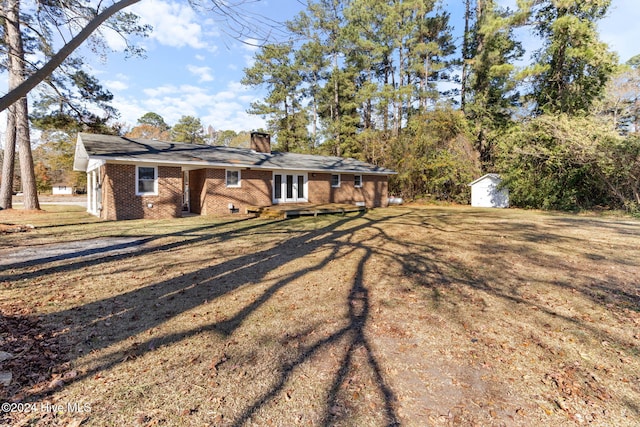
(29, 353)
(15, 228)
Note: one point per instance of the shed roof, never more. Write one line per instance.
(133, 150)
(492, 176)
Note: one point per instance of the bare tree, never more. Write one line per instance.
(56, 60)
(20, 85)
(18, 119)
(8, 161)
(238, 23)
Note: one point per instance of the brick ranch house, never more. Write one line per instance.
(138, 178)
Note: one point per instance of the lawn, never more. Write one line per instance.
(409, 316)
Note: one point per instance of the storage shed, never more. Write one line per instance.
(486, 192)
(62, 188)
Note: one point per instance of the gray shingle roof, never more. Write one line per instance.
(115, 148)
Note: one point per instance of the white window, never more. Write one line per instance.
(357, 181)
(335, 180)
(146, 180)
(233, 177)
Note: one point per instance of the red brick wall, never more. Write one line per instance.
(209, 194)
(374, 190)
(261, 142)
(319, 187)
(119, 199)
(254, 190)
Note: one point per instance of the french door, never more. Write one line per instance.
(289, 187)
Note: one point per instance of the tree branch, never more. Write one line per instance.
(23, 89)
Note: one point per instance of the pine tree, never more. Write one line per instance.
(574, 66)
(189, 129)
(275, 68)
(489, 84)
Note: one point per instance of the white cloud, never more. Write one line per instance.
(174, 24)
(237, 120)
(203, 73)
(223, 109)
(237, 86)
(249, 60)
(226, 95)
(160, 91)
(3, 127)
(114, 40)
(129, 111)
(116, 85)
(200, 57)
(250, 44)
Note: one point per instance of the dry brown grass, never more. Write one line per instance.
(413, 316)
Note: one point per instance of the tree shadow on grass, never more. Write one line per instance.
(104, 323)
(135, 246)
(354, 334)
(113, 320)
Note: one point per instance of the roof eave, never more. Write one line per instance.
(234, 165)
(485, 176)
(81, 157)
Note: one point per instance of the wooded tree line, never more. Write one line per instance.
(387, 82)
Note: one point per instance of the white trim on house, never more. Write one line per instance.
(95, 164)
(339, 180)
(238, 183)
(355, 184)
(94, 192)
(154, 181)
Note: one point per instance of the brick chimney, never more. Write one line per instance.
(261, 142)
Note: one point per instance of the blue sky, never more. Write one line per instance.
(193, 68)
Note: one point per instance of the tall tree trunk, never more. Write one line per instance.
(8, 165)
(336, 103)
(27, 172)
(386, 117)
(424, 86)
(314, 126)
(466, 49)
(17, 74)
(287, 120)
(63, 53)
(399, 92)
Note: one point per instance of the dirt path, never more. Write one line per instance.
(77, 250)
(79, 200)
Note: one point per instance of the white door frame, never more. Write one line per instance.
(186, 197)
(289, 190)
